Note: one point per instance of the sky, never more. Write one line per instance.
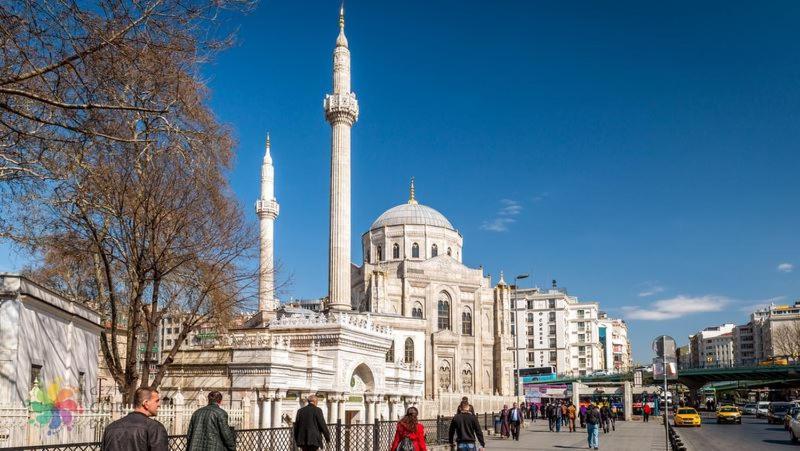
(643, 154)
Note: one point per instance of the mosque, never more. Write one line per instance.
(411, 325)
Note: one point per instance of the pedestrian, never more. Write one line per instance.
(410, 434)
(514, 420)
(583, 415)
(310, 427)
(465, 399)
(543, 409)
(559, 417)
(593, 426)
(208, 428)
(464, 428)
(614, 413)
(646, 410)
(137, 431)
(571, 417)
(505, 429)
(605, 418)
(551, 416)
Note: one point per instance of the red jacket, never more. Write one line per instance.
(417, 437)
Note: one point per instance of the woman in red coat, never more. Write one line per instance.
(409, 427)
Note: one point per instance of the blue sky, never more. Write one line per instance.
(643, 154)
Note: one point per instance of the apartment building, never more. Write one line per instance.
(557, 330)
(771, 332)
(615, 344)
(713, 347)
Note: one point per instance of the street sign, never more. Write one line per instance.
(664, 346)
(658, 368)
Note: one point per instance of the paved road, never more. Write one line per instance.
(753, 434)
(629, 436)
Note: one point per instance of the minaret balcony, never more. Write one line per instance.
(267, 208)
(341, 107)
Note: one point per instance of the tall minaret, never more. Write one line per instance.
(341, 111)
(267, 209)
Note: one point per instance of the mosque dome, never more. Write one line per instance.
(411, 213)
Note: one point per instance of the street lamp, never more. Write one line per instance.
(516, 337)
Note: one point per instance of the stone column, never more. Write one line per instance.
(277, 408)
(369, 410)
(341, 400)
(627, 401)
(332, 411)
(265, 420)
(377, 407)
(393, 401)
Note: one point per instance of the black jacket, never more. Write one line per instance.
(593, 416)
(309, 427)
(466, 429)
(135, 432)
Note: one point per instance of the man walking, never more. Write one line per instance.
(137, 431)
(208, 428)
(559, 417)
(464, 428)
(593, 426)
(514, 419)
(310, 427)
(646, 412)
(571, 417)
(551, 416)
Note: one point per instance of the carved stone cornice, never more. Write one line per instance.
(341, 108)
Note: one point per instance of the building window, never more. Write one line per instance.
(553, 356)
(466, 322)
(36, 371)
(444, 312)
(380, 254)
(409, 354)
(552, 342)
(434, 250)
(415, 250)
(531, 343)
(552, 330)
(449, 252)
(390, 354)
(551, 316)
(396, 251)
(367, 257)
(416, 312)
(531, 357)
(551, 303)
(530, 317)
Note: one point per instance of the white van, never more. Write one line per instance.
(762, 408)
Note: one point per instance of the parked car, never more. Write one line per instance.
(776, 411)
(761, 409)
(794, 428)
(749, 409)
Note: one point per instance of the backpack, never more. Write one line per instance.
(405, 445)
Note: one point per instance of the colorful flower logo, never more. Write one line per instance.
(54, 407)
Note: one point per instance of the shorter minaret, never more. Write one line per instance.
(267, 209)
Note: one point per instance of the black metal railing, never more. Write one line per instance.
(344, 437)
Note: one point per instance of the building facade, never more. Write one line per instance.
(772, 332)
(713, 347)
(45, 339)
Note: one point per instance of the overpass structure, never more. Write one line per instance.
(696, 378)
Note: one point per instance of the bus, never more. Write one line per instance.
(538, 374)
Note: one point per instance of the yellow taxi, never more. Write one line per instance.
(729, 414)
(686, 416)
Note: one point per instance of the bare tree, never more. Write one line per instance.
(115, 171)
(786, 339)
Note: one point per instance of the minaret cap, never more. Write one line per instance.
(267, 155)
(411, 199)
(341, 40)
(502, 280)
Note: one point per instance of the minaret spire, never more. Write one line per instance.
(267, 209)
(341, 111)
(411, 199)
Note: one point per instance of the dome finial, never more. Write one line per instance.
(341, 17)
(502, 279)
(411, 199)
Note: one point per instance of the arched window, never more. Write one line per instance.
(416, 312)
(396, 251)
(434, 250)
(449, 252)
(443, 310)
(409, 354)
(390, 354)
(466, 322)
(380, 254)
(415, 250)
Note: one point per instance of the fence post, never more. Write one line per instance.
(375, 435)
(338, 434)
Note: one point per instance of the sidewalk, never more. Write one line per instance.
(629, 436)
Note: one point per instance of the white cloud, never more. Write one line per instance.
(676, 307)
(786, 267)
(508, 209)
(650, 290)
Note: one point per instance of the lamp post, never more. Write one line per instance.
(516, 336)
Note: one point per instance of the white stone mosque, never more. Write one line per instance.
(412, 325)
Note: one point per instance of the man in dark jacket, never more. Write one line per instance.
(208, 428)
(137, 431)
(464, 427)
(310, 426)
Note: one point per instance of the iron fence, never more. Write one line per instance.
(344, 437)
